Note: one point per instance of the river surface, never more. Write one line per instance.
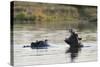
(55, 54)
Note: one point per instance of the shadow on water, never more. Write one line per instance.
(74, 51)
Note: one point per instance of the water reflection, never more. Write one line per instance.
(74, 51)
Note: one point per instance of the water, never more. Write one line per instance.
(55, 54)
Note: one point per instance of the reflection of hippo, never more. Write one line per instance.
(73, 52)
(73, 40)
(38, 45)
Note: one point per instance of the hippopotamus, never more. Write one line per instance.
(73, 40)
(39, 44)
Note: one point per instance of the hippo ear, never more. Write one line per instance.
(79, 38)
(46, 39)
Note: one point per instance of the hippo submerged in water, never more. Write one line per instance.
(39, 45)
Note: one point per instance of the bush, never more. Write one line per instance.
(20, 16)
